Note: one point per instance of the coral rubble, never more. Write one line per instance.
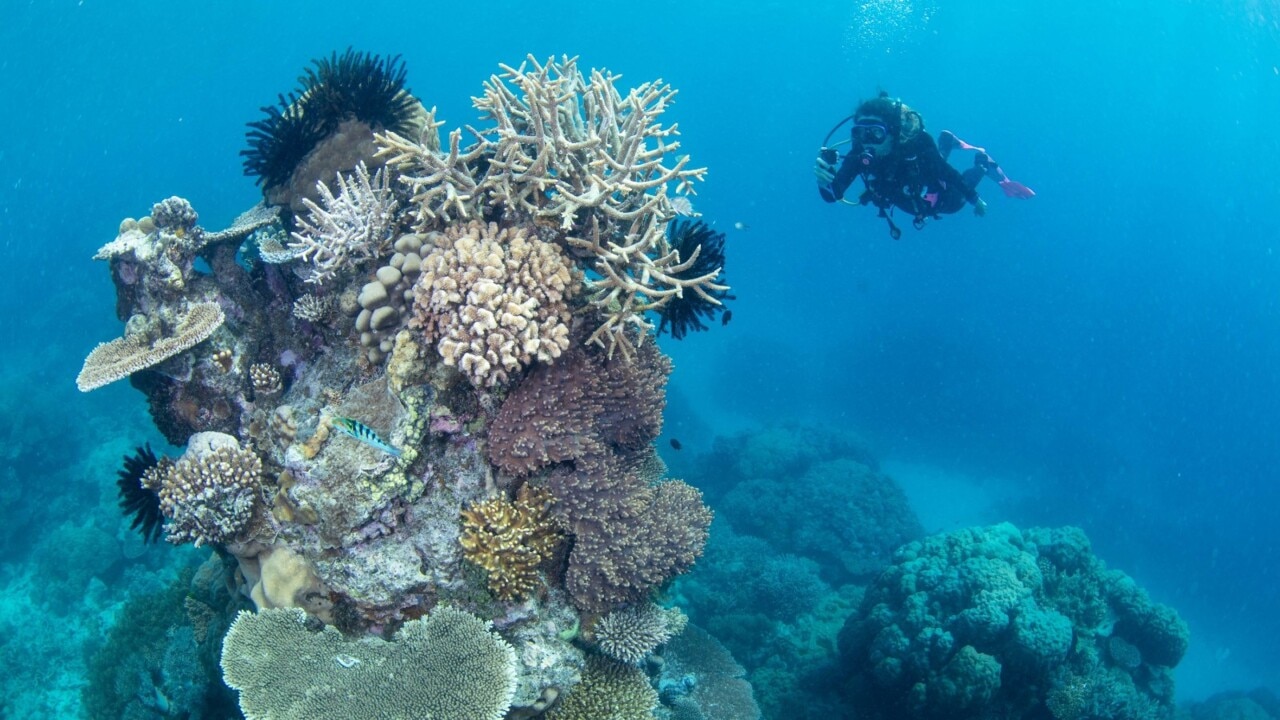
(478, 314)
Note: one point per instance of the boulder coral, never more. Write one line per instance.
(995, 622)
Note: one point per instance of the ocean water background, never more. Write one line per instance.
(1105, 355)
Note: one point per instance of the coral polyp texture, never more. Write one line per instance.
(419, 394)
(1001, 623)
(494, 300)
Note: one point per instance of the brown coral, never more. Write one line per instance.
(510, 540)
(564, 411)
(493, 300)
(594, 420)
(621, 560)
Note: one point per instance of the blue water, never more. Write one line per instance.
(1104, 355)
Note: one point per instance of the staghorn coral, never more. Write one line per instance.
(510, 540)
(564, 146)
(639, 272)
(629, 634)
(447, 666)
(344, 230)
(146, 346)
(493, 300)
(609, 691)
(211, 492)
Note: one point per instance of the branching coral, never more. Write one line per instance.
(211, 492)
(563, 146)
(628, 635)
(349, 228)
(142, 349)
(575, 152)
(510, 540)
(609, 691)
(493, 300)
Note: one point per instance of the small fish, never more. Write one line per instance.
(676, 444)
(364, 434)
(726, 317)
(741, 226)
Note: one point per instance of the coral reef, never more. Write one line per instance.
(571, 152)
(492, 487)
(211, 492)
(346, 229)
(510, 540)
(704, 679)
(147, 345)
(840, 512)
(995, 622)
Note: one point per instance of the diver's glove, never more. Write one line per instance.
(825, 166)
(980, 207)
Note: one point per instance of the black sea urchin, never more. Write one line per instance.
(684, 314)
(137, 500)
(359, 86)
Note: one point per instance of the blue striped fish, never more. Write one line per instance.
(364, 434)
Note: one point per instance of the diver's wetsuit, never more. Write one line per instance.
(908, 178)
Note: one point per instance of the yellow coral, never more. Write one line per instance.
(510, 540)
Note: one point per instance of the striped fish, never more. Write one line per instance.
(364, 434)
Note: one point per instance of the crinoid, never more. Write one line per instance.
(685, 313)
(137, 498)
(359, 86)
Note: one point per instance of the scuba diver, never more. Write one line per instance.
(902, 167)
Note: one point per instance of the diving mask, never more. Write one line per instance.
(869, 133)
